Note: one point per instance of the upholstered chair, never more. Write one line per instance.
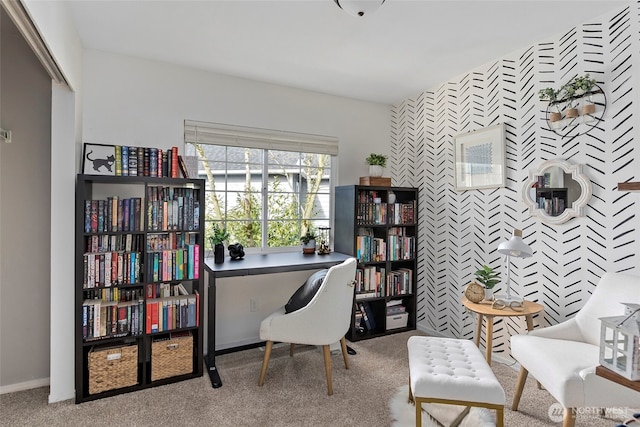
(563, 358)
(324, 320)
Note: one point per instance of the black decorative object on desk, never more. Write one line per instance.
(236, 251)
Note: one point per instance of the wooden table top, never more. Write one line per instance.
(486, 309)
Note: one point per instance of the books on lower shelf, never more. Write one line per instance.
(368, 321)
(169, 313)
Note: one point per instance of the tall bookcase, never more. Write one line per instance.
(382, 234)
(139, 283)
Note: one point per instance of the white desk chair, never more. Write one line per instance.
(322, 322)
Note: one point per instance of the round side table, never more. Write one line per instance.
(484, 310)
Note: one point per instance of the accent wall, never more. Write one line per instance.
(460, 230)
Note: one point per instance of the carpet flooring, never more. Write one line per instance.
(294, 394)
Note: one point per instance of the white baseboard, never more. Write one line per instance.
(27, 385)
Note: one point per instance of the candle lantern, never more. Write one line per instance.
(324, 248)
(620, 343)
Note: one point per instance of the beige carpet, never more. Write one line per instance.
(294, 394)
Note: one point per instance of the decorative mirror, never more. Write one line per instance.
(557, 191)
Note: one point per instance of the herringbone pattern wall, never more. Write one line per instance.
(460, 231)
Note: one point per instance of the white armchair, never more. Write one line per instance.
(323, 321)
(563, 357)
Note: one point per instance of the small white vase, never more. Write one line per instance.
(375, 170)
(488, 294)
(391, 197)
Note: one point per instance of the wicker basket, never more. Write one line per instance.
(171, 357)
(113, 367)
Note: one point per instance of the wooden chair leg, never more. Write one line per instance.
(569, 418)
(522, 378)
(327, 366)
(265, 362)
(500, 417)
(345, 355)
(291, 347)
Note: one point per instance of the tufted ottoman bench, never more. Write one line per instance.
(452, 371)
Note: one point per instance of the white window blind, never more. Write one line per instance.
(196, 132)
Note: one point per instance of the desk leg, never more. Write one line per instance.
(210, 360)
(478, 330)
(489, 342)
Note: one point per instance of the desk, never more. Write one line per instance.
(485, 310)
(251, 265)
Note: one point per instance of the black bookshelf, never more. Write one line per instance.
(169, 230)
(383, 237)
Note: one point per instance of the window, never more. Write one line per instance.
(267, 188)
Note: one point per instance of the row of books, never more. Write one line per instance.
(400, 247)
(544, 180)
(113, 214)
(552, 206)
(364, 318)
(111, 319)
(97, 243)
(172, 209)
(111, 268)
(166, 314)
(114, 294)
(170, 240)
(385, 213)
(163, 290)
(370, 248)
(145, 161)
(371, 282)
(394, 307)
(175, 264)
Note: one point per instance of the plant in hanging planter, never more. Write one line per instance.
(551, 95)
(376, 163)
(584, 85)
(488, 278)
(568, 94)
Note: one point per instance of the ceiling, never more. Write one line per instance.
(403, 49)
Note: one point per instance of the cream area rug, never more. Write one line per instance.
(403, 413)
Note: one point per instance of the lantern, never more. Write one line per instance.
(620, 343)
(324, 248)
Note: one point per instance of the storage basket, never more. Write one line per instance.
(171, 357)
(113, 367)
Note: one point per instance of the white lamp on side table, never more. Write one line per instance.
(514, 247)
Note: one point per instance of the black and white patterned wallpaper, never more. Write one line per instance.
(460, 231)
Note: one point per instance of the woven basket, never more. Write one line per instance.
(113, 367)
(171, 357)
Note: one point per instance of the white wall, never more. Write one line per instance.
(132, 101)
(139, 102)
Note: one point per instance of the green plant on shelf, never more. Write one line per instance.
(376, 160)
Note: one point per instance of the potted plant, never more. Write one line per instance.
(569, 94)
(308, 240)
(376, 163)
(584, 85)
(488, 278)
(220, 235)
(551, 95)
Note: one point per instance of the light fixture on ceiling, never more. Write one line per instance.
(517, 248)
(359, 7)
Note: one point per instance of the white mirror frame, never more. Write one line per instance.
(577, 207)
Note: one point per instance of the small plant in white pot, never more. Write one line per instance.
(376, 163)
(488, 278)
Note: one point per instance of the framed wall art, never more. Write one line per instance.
(98, 159)
(479, 159)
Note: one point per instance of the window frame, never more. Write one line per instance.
(254, 138)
